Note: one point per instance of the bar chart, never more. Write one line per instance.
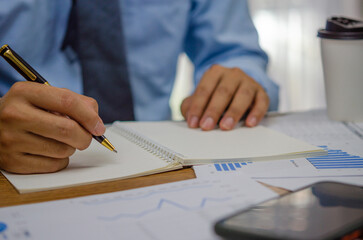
(336, 159)
(230, 166)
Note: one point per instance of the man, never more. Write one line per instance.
(218, 36)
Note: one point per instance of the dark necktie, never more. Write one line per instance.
(95, 33)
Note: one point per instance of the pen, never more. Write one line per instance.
(31, 75)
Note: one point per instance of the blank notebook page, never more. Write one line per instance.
(241, 143)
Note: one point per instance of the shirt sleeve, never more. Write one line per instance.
(222, 32)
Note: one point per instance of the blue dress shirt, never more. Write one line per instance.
(156, 32)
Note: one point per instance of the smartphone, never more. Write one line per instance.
(324, 210)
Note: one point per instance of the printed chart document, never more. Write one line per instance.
(343, 142)
(153, 147)
(180, 210)
(316, 128)
(290, 174)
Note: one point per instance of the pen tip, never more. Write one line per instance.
(115, 151)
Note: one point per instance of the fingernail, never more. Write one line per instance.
(208, 123)
(99, 128)
(193, 122)
(252, 121)
(228, 123)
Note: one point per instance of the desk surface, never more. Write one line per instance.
(10, 197)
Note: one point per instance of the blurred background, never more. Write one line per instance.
(290, 40)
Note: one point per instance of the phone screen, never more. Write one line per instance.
(322, 211)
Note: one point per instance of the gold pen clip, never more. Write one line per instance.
(18, 63)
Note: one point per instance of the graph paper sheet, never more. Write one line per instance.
(344, 162)
(180, 210)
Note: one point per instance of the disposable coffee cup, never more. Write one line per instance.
(342, 58)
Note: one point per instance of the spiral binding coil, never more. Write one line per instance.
(148, 144)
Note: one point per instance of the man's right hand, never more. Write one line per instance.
(33, 139)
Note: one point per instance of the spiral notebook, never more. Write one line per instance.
(153, 147)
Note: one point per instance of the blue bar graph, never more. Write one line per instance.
(220, 167)
(225, 167)
(336, 159)
(231, 166)
(237, 165)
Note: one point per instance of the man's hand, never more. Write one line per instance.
(33, 139)
(226, 93)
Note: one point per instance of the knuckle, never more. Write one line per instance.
(93, 103)
(215, 67)
(247, 92)
(202, 91)
(91, 118)
(18, 87)
(10, 113)
(67, 99)
(65, 129)
(7, 140)
(236, 70)
(224, 91)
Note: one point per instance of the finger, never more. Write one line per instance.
(185, 107)
(202, 94)
(46, 124)
(37, 145)
(259, 109)
(62, 101)
(27, 164)
(242, 100)
(92, 103)
(57, 127)
(221, 98)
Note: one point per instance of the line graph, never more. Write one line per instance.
(187, 196)
(155, 213)
(159, 206)
(141, 195)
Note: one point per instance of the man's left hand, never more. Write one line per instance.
(226, 94)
